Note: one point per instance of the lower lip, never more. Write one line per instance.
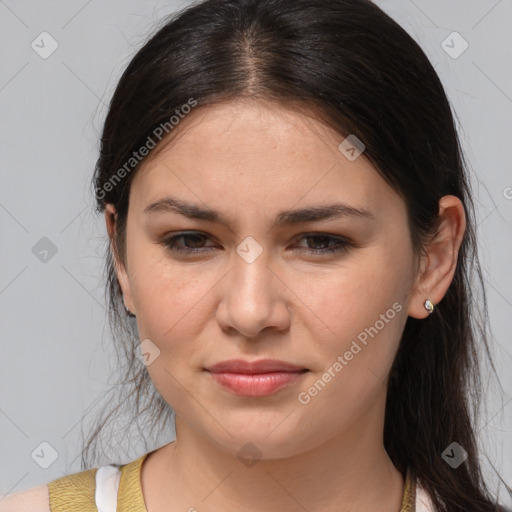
(257, 384)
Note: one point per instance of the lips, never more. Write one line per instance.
(257, 378)
(254, 367)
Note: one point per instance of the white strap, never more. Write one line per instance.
(107, 485)
(423, 501)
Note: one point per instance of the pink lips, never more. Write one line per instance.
(258, 378)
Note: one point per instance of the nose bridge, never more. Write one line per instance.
(251, 275)
(252, 298)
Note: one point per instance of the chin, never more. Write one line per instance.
(257, 442)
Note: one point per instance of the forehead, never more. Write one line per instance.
(254, 155)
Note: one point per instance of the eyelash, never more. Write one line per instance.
(343, 245)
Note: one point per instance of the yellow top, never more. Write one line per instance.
(75, 493)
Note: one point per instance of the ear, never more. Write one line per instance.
(438, 264)
(121, 272)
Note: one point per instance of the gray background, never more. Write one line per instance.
(56, 353)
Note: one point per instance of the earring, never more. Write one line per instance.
(429, 306)
(128, 312)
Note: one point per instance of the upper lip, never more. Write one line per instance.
(261, 366)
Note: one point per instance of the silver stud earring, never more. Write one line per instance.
(128, 312)
(429, 306)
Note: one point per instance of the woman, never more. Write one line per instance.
(292, 234)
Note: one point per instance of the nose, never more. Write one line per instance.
(253, 298)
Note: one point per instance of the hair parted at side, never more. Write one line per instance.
(358, 70)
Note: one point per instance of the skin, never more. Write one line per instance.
(249, 160)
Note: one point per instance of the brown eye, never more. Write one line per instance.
(192, 242)
(328, 244)
(318, 244)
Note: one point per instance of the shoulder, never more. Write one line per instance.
(35, 499)
(71, 492)
(75, 492)
(65, 493)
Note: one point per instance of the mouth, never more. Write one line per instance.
(258, 378)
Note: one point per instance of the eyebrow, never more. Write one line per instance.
(285, 217)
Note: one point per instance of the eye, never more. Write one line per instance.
(193, 243)
(339, 244)
(194, 238)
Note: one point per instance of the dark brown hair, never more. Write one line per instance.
(364, 75)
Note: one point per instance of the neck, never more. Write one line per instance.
(350, 472)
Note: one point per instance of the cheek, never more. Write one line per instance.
(167, 295)
(348, 300)
(169, 312)
(360, 313)
(354, 362)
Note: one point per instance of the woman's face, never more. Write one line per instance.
(259, 286)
